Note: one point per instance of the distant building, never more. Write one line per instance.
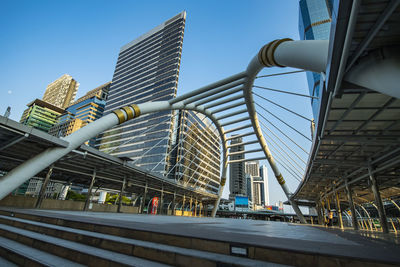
(314, 24)
(258, 193)
(249, 186)
(86, 109)
(264, 177)
(41, 115)
(89, 107)
(147, 70)
(66, 128)
(252, 168)
(237, 177)
(196, 159)
(53, 189)
(61, 93)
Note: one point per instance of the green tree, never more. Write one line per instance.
(72, 195)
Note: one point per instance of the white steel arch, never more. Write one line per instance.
(231, 96)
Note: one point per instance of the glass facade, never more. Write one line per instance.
(41, 115)
(86, 109)
(314, 24)
(237, 176)
(195, 158)
(147, 70)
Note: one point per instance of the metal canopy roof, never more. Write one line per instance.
(359, 127)
(18, 143)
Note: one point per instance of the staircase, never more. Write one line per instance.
(33, 240)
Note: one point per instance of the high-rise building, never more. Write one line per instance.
(86, 109)
(147, 70)
(237, 177)
(252, 168)
(258, 193)
(249, 185)
(314, 24)
(264, 177)
(61, 93)
(41, 115)
(66, 128)
(195, 158)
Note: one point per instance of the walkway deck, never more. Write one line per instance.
(303, 239)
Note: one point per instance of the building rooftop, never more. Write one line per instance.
(44, 104)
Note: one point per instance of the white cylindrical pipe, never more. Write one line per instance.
(34, 165)
(309, 55)
(31, 167)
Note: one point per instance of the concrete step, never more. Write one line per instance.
(16, 254)
(153, 251)
(6, 263)
(84, 254)
(295, 245)
(181, 241)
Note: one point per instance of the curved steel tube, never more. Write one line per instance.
(36, 164)
(255, 66)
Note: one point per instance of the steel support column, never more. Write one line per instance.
(191, 205)
(89, 194)
(319, 212)
(162, 199)
(43, 188)
(351, 204)
(195, 208)
(142, 203)
(183, 205)
(200, 207)
(121, 193)
(173, 204)
(378, 200)
(323, 212)
(338, 210)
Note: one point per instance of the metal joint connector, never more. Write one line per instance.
(223, 181)
(266, 54)
(131, 112)
(280, 179)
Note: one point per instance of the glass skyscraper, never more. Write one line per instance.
(86, 109)
(195, 158)
(147, 70)
(314, 24)
(237, 175)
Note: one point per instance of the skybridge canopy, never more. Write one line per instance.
(357, 128)
(19, 143)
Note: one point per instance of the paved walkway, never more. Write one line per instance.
(295, 237)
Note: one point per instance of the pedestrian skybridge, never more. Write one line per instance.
(356, 136)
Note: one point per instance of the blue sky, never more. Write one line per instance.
(42, 40)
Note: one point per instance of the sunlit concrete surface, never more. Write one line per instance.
(276, 235)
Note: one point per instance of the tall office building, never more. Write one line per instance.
(195, 158)
(252, 168)
(41, 115)
(61, 93)
(147, 70)
(314, 24)
(237, 177)
(258, 193)
(264, 177)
